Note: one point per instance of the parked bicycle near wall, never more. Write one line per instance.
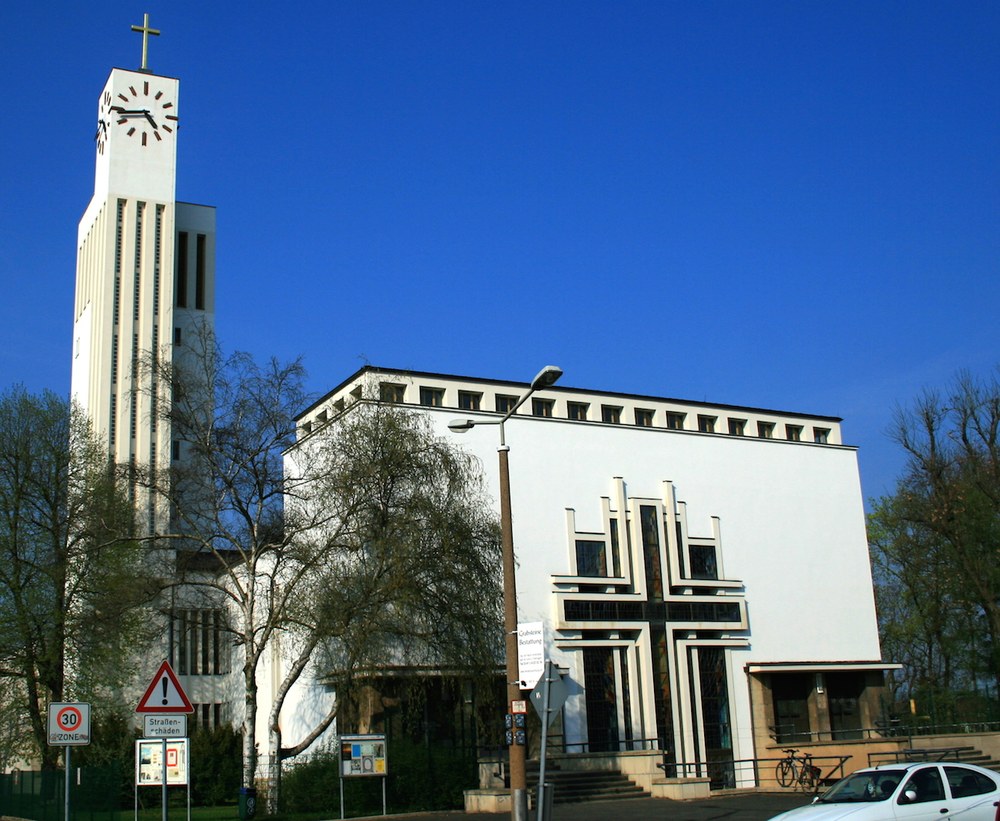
(797, 771)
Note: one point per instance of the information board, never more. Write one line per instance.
(149, 762)
(363, 755)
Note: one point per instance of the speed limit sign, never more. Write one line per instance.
(69, 724)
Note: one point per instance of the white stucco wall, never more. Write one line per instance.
(790, 520)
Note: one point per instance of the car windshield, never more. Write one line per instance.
(869, 785)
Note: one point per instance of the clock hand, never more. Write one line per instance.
(149, 117)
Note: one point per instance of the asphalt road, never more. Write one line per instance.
(746, 807)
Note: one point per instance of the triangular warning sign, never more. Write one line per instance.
(164, 694)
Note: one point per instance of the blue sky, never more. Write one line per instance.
(784, 205)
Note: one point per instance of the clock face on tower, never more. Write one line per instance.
(140, 111)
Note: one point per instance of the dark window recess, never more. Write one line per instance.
(715, 717)
(182, 270)
(468, 400)
(199, 274)
(703, 564)
(790, 693)
(651, 552)
(843, 692)
(591, 558)
(504, 404)
(602, 699)
(674, 611)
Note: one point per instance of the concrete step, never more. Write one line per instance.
(568, 786)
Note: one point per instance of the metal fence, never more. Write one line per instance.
(95, 794)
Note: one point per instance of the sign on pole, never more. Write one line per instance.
(155, 725)
(164, 694)
(69, 724)
(530, 653)
(557, 695)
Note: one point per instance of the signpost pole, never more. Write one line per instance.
(545, 741)
(163, 789)
(67, 749)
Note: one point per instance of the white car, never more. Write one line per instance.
(916, 791)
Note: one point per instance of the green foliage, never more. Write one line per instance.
(312, 786)
(216, 765)
(421, 778)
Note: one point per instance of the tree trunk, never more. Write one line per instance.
(274, 772)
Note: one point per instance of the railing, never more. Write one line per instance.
(893, 728)
(743, 773)
(916, 754)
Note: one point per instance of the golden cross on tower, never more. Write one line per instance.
(146, 31)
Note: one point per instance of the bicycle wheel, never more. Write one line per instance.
(808, 781)
(785, 773)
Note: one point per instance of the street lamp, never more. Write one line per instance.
(546, 377)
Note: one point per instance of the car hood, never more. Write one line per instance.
(835, 812)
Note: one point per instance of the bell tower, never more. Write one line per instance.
(145, 271)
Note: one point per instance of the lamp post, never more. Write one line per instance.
(546, 377)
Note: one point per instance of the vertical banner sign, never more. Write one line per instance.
(530, 654)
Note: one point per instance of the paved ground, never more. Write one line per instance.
(745, 807)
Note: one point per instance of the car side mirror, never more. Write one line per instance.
(908, 797)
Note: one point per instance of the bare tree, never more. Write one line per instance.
(231, 419)
(377, 548)
(70, 592)
(938, 534)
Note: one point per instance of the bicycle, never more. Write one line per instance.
(797, 771)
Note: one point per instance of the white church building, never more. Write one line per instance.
(701, 570)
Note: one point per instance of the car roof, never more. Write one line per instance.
(909, 765)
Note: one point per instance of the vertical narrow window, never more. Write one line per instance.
(181, 285)
(577, 411)
(793, 433)
(206, 640)
(737, 427)
(140, 210)
(675, 421)
(602, 699)
(182, 642)
(706, 424)
(626, 696)
(157, 242)
(765, 430)
(651, 552)
(616, 562)
(199, 274)
(715, 719)
(821, 436)
(661, 696)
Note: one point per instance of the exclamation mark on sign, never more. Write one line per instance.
(163, 684)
